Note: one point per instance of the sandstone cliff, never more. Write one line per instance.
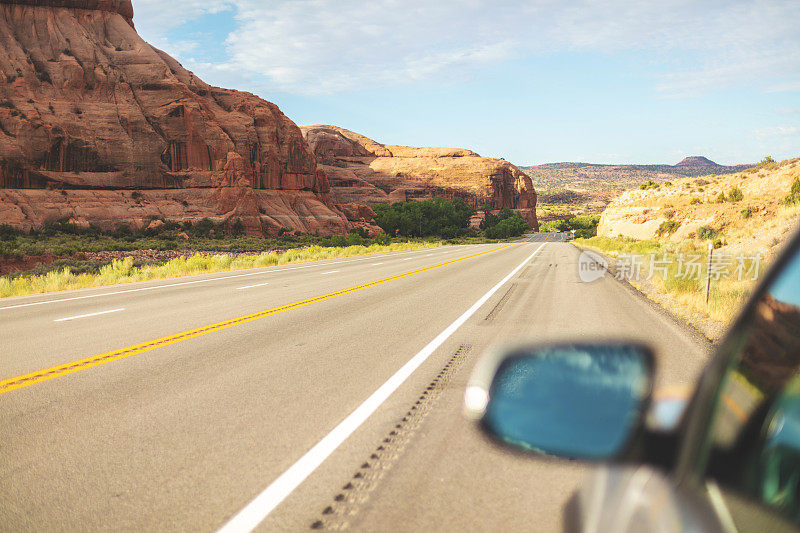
(91, 114)
(365, 171)
(757, 221)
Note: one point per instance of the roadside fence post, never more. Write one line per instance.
(708, 271)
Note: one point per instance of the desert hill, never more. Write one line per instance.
(696, 161)
(746, 211)
(572, 187)
(366, 171)
(98, 126)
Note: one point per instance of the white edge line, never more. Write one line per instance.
(376, 264)
(88, 315)
(265, 270)
(330, 272)
(261, 506)
(252, 286)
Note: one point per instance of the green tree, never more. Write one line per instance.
(435, 216)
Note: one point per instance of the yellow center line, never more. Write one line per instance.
(26, 380)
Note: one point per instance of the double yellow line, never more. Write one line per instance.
(27, 380)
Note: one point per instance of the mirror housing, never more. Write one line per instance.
(570, 400)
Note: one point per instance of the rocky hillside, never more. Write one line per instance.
(365, 171)
(744, 211)
(98, 126)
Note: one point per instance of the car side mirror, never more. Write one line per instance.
(579, 401)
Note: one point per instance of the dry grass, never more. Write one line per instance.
(726, 296)
(123, 271)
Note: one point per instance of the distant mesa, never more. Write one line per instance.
(697, 161)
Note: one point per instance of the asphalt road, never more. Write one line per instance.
(556, 236)
(340, 411)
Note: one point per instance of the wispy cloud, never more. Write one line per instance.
(777, 131)
(324, 46)
(156, 18)
(784, 87)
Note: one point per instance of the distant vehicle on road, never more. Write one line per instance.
(730, 461)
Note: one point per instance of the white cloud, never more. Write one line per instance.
(328, 46)
(784, 87)
(154, 19)
(776, 131)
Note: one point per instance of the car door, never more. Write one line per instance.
(741, 450)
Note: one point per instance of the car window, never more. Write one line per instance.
(754, 438)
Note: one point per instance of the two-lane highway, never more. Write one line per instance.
(323, 394)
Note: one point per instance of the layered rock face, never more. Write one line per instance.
(98, 126)
(364, 171)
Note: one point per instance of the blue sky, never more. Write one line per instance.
(533, 82)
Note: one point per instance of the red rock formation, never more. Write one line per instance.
(88, 110)
(364, 171)
(360, 216)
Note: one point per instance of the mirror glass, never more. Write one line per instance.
(570, 401)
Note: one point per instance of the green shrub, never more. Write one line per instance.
(513, 226)
(747, 212)
(338, 240)
(354, 238)
(649, 185)
(721, 198)
(706, 233)
(44, 76)
(668, 227)
(794, 193)
(8, 232)
(333, 162)
(204, 227)
(383, 239)
(767, 163)
(695, 201)
(735, 195)
(238, 227)
(585, 227)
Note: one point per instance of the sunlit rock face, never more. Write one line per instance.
(365, 171)
(89, 113)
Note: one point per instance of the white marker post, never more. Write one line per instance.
(708, 271)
